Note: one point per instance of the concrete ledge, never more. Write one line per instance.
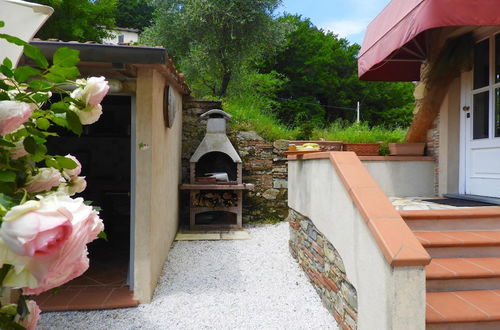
(326, 155)
(397, 242)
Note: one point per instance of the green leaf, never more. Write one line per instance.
(2, 23)
(42, 123)
(74, 123)
(7, 176)
(40, 85)
(55, 78)
(36, 55)
(7, 62)
(65, 57)
(25, 72)
(65, 162)
(6, 71)
(40, 97)
(22, 307)
(4, 96)
(7, 201)
(59, 107)
(60, 120)
(13, 40)
(6, 323)
(30, 145)
(4, 143)
(103, 235)
(51, 162)
(66, 72)
(4, 270)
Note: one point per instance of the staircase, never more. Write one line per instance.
(463, 278)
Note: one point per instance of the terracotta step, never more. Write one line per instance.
(457, 274)
(484, 218)
(479, 309)
(461, 244)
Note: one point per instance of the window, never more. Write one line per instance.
(486, 89)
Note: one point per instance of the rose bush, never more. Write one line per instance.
(43, 231)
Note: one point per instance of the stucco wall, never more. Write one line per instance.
(403, 178)
(158, 174)
(388, 298)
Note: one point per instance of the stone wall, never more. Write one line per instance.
(264, 165)
(325, 269)
(432, 149)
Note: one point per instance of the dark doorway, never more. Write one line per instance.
(104, 150)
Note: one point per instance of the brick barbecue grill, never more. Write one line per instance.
(216, 187)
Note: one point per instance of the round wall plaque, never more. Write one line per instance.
(169, 107)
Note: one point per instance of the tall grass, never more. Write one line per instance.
(253, 99)
(248, 116)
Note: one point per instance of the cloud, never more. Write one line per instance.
(345, 28)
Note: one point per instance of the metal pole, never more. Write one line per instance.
(357, 113)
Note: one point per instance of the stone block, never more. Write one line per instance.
(280, 184)
(281, 144)
(271, 194)
(349, 294)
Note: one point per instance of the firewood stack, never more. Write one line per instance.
(215, 199)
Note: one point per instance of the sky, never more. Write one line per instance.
(346, 18)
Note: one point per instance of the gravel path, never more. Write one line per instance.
(252, 284)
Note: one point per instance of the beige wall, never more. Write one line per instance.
(388, 297)
(403, 178)
(158, 174)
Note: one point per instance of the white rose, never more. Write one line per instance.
(93, 92)
(45, 179)
(89, 115)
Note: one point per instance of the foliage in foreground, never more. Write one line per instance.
(43, 231)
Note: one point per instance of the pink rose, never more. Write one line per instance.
(31, 320)
(71, 259)
(93, 92)
(75, 171)
(13, 114)
(45, 179)
(36, 229)
(18, 151)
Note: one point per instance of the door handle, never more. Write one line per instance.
(466, 108)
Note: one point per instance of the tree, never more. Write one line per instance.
(135, 14)
(80, 20)
(212, 40)
(321, 69)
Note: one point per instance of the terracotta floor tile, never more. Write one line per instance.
(432, 315)
(458, 268)
(59, 300)
(453, 308)
(485, 300)
(435, 239)
(90, 298)
(459, 238)
(492, 264)
(493, 235)
(119, 298)
(435, 270)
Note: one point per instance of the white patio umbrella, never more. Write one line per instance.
(22, 19)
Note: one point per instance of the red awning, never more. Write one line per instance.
(395, 43)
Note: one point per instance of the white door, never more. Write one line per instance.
(482, 121)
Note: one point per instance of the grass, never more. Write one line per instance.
(248, 115)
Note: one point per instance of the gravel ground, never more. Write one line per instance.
(252, 284)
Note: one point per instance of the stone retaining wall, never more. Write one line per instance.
(264, 165)
(325, 269)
